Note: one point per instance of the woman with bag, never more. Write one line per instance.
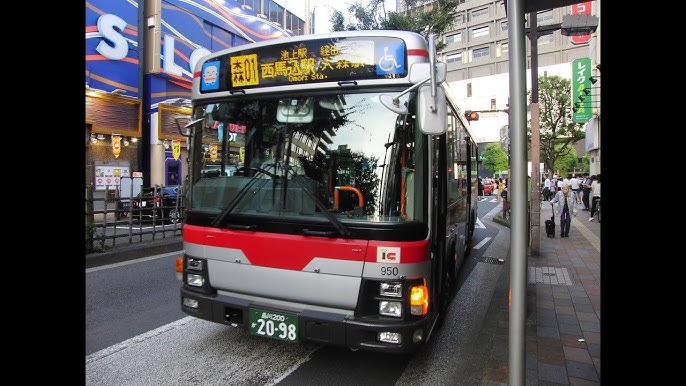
(566, 208)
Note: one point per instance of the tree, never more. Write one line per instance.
(586, 163)
(437, 20)
(558, 131)
(567, 161)
(494, 159)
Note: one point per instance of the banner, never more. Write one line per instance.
(176, 149)
(116, 145)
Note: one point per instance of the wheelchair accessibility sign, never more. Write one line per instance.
(390, 59)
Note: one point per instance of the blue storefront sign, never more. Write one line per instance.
(189, 31)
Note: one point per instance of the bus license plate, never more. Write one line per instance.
(273, 324)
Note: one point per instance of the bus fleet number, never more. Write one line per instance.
(389, 271)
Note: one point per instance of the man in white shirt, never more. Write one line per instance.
(546, 188)
(575, 185)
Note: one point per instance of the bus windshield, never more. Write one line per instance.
(307, 156)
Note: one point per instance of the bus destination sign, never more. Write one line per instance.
(323, 60)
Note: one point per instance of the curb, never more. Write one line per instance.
(134, 251)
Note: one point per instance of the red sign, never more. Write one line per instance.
(581, 9)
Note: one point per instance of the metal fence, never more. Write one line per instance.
(113, 220)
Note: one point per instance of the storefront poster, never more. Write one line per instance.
(109, 177)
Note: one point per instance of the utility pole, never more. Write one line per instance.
(535, 209)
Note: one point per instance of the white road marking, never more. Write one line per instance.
(482, 243)
(479, 224)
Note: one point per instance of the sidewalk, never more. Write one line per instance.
(563, 310)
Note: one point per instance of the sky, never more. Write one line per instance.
(322, 10)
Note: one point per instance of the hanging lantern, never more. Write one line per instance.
(176, 148)
(213, 152)
(116, 145)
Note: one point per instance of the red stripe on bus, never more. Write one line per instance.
(417, 52)
(277, 250)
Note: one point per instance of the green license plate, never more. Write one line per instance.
(273, 324)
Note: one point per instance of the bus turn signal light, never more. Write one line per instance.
(419, 300)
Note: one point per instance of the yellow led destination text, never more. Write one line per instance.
(294, 66)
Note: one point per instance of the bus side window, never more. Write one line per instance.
(409, 194)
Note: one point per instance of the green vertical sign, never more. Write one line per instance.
(581, 90)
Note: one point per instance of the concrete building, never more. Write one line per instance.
(476, 54)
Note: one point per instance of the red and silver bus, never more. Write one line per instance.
(332, 190)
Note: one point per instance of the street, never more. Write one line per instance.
(137, 335)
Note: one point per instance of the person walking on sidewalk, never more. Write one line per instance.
(595, 192)
(586, 191)
(566, 207)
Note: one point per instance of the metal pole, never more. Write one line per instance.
(535, 209)
(517, 193)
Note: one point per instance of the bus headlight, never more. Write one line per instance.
(195, 280)
(394, 289)
(391, 308)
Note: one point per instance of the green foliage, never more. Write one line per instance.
(586, 163)
(93, 235)
(494, 158)
(567, 160)
(372, 15)
(558, 133)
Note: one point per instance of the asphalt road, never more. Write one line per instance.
(137, 335)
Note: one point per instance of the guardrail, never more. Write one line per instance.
(113, 220)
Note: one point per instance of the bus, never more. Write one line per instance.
(331, 190)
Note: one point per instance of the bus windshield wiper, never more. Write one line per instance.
(241, 193)
(345, 232)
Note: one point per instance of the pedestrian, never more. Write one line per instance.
(586, 191)
(506, 201)
(546, 188)
(595, 193)
(566, 208)
(575, 187)
(481, 188)
(501, 186)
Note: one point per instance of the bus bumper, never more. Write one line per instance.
(328, 328)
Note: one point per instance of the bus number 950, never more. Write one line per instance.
(389, 271)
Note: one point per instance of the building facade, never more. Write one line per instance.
(477, 51)
(134, 111)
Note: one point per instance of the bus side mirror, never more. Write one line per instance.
(432, 119)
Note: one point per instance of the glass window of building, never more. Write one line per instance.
(459, 18)
(544, 17)
(251, 4)
(501, 49)
(480, 31)
(454, 58)
(503, 25)
(275, 13)
(481, 52)
(453, 38)
(469, 89)
(479, 12)
(546, 39)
